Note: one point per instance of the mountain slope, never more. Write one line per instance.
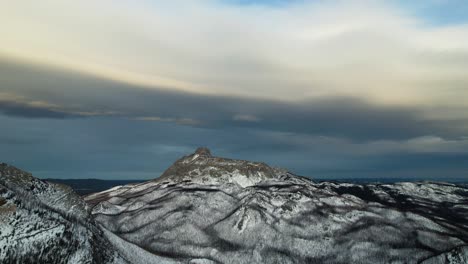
(206, 209)
(42, 222)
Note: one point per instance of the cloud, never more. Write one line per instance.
(19, 106)
(31, 110)
(373, 50)
(35, 95)
(181, 121)
(245, 118)
(424, 144)
(343, 147)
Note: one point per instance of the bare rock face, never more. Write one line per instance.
(202, 151)
(202, 167)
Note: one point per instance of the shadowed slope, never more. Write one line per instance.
(42, 222)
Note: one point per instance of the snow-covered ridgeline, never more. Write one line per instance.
(228, 211)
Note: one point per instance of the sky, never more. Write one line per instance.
(117, 89)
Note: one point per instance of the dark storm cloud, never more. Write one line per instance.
(17, 109)
(111, 147)
(345, 117)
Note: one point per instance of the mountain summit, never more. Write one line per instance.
(207, 209)
(202, 167)
(202, 151)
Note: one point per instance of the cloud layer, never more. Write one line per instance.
(326, 88)
(369, 49)
(59, 94)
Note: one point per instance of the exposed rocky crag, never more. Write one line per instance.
(206, 209)
(201, 167)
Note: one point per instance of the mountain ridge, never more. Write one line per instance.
(232, 211)
(47, 223)
(212, 217)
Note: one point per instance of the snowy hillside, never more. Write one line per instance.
(47, 223)
(206, 209)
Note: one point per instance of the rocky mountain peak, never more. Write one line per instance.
(14, 175)
(202, 167)
(203, 151)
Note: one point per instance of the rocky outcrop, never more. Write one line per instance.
(202, 167)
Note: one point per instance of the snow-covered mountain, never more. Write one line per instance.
(42, 222)
(205, 209)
